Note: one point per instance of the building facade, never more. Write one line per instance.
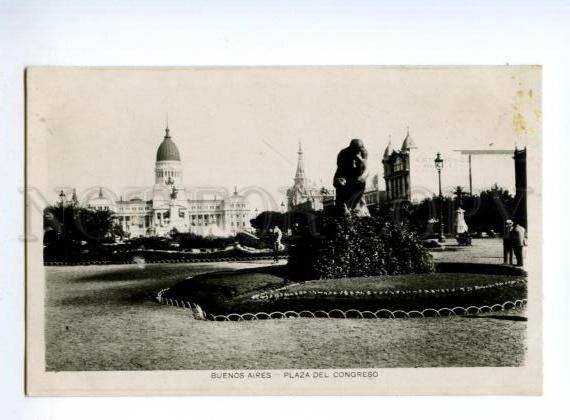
(304, 194)
(398, 169)
(172, 207)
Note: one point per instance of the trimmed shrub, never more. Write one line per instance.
(191, 240)
(358, 247)
(150, 242)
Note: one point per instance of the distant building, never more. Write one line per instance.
(398, 170)
(372, 197)
(304, 194)
(172, 207)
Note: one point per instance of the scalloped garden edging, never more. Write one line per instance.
(161, 261)
(200, 314)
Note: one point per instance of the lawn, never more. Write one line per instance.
(106, 318)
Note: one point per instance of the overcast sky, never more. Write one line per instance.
(242, 126)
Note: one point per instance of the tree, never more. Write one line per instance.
(75, 224)
(459, 193)
(266, 220)
(117, 231)
(484, 212)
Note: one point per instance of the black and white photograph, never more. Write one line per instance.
(284, 229)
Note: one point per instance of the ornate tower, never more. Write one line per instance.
(297, 194)
(169, 203)
(397, 170)
(388, 169)
(300, 178)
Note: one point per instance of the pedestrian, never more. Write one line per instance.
(507, 243)
(518, 241)
(277, 235)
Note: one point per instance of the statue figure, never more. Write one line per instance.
(173, 192)
(350, 179)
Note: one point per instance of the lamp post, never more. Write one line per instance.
(439, 166)
(62, 198)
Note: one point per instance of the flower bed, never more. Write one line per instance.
(268, 290)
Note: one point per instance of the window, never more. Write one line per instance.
(398, 165)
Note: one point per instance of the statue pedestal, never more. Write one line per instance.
(461, 228)
(460, 224)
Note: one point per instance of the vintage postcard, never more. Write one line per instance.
(351, 230)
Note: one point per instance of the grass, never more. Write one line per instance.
(106, 318)
(214, 290)
(238, 292)
(402, 282)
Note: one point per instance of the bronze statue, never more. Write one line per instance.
(350, 179)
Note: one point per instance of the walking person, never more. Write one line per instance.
(507, 243)
(277, 235)
(518, 241)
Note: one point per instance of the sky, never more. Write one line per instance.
(241, 126)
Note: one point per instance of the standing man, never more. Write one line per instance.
(518, 235)
(277, 235)
(507, 242)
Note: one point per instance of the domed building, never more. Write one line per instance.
(173, 206)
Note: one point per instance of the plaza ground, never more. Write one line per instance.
(107, 318)
(484, 251)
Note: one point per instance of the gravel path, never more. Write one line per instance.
(106, 318)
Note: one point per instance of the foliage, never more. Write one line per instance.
(294, 221)
(355, 247)
(267, 220)
(193, 241)
(150, 242)
(484, 212)
(68, 224)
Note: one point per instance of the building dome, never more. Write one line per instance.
(167, 149)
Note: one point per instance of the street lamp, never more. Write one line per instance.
(439, 166)
(62, 198)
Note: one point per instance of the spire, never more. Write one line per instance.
(100, 193)
(300, 173)
(388, 150)
(408, 143)
(167, 135)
